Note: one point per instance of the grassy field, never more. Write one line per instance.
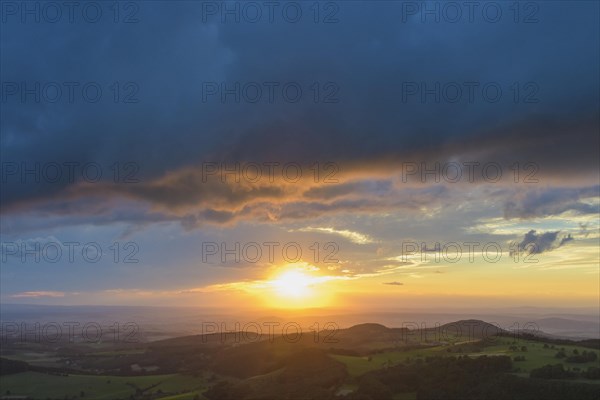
(359, 365)
(536, 356)
(41, 359)
(40, 386)
(182, 387)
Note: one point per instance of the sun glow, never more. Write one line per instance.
(297, 287)
(294, 284)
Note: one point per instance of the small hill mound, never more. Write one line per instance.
(471, 329)
(368, 329)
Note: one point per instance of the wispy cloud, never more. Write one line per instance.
(354, 237)
(38, 294)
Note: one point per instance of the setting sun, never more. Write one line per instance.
(297, 286)
(293, 284)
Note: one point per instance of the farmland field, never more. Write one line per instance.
(41, 385)
(536, 355)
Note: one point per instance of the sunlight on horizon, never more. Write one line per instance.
(294, 287)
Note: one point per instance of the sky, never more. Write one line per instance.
(333, 154)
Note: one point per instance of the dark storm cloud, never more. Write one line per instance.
(534, 243)
(170, 53)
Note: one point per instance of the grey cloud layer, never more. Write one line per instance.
(535, 243)
(369, 53)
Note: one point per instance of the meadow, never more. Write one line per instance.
(42, 385)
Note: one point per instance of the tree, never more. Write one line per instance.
(370, 386)
(550, 371)
(592, 373)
